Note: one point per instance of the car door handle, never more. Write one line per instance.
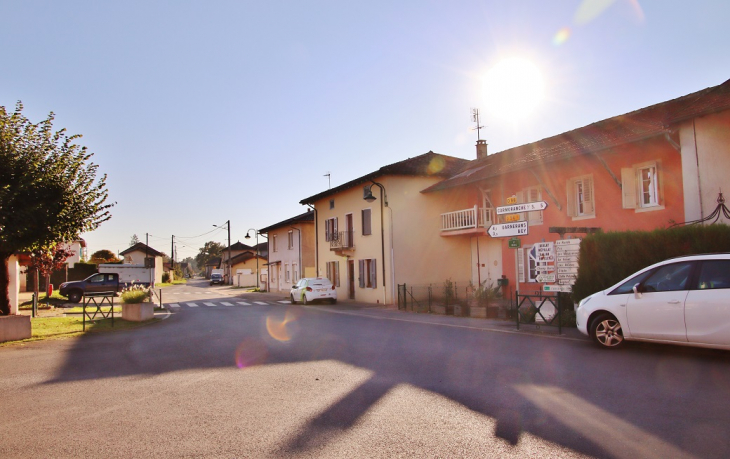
(674, 302)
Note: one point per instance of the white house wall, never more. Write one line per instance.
(705, 144)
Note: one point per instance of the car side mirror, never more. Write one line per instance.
(637, 291)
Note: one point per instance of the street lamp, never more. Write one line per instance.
(247, 236)
(230, 275)
(368, 196)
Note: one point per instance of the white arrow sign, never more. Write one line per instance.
(508, 229)
(526, 207)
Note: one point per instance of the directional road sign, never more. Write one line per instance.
(508, 229)
(525, 207)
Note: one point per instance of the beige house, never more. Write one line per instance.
(137, 254)
(292, 251)
(379, 230)
(246, 268)
(235, 250)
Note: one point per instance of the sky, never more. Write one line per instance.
(204, 112)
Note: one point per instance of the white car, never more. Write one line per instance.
(310, 289)
(684, 300)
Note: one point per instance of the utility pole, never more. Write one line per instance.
(172, 253)
(230, 267)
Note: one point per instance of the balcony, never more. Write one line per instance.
(467, 221)
(343, 240)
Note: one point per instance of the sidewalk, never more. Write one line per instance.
(392, 312)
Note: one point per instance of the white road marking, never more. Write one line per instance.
(209, 304)
(174, 305)
(260, 302)
(192, 305)
(224, 303)
(243, 303)
(284, 301)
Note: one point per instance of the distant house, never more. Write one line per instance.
(137, 254)
(236, 249)
(292, 251)
(246, 268)
(213, 263)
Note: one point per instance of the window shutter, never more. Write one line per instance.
(628, 187)
(520, 200)
(572, 194)
(533, 196)
(588, 202)
(373, 274)
(521, 264)
(337, 273)
(362, 273)
(366, 222)
(660, 184)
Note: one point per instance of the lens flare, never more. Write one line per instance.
(281, 330)
(590, 10)
(251, 352)
(562, 36)
(436, 165)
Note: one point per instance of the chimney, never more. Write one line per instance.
(481, 149)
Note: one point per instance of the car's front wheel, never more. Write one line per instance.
(75, 297)
(606, 331)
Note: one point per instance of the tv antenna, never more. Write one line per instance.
(475, 118)
(329, 181)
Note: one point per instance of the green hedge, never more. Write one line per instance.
(606, 258)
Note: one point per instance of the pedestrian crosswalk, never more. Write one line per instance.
(228, 303)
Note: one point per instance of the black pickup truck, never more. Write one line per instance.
(96, 283)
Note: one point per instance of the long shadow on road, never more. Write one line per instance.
(645, 401)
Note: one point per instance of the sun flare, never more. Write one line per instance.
(513, 88)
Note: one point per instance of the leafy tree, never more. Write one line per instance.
(209, 250)
(134, 240)
(48, 190)
(45, 261)
(103, 256)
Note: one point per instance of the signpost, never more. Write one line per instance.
(525, 207)
(514, 243)
(508, 229)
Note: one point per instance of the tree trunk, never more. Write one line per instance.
(4, 284)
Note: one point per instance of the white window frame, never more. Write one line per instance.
(653, 186)
(368, 273)
(290, 239)
(531, 263)
(632, 187)
(287, 273)
(530, 194)
(333, 272)
(295, 271)
(273, 244)
(581, 197)
(330, 229)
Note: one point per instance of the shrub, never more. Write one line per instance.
(165, 278)
(606, 258)
(448, 291)
(135, 294)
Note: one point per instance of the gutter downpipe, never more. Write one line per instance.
(383, 199)
(316, 240)
(300, 250)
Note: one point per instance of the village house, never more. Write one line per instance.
(292, 255)
(139, 253)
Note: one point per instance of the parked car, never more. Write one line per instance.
(310, 289)
(216, 278)
(683, 300)
(96, 283)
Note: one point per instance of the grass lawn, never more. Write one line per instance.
(168, 284)
(43, 303)
(66, 327)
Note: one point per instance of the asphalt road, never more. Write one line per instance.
(248, 376)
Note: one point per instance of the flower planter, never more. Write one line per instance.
(442, 309)
(15, 327)
(461, 310)
(138, 312)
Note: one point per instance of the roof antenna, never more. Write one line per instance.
(329, 182)
(475, 118)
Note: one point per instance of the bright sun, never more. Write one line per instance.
(513, 88)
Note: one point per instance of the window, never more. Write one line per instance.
(715, 274)
(366, 222)
(333, 272)
(287, 274)
(527, 259)
(368, 274)
(295, 272)
(641, 186)
(530, 194)
(332, 203)
(330, 229)
(273, 243)
(291, 240)
(669, 278)
(581, 203)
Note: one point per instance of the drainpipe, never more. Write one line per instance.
(300, 250)
(316, 240)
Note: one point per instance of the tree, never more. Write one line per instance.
(49, 192)
(134, 240)
(103, 256)
(209, 250)
(45, 261)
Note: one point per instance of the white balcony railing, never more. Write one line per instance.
(467, 218)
